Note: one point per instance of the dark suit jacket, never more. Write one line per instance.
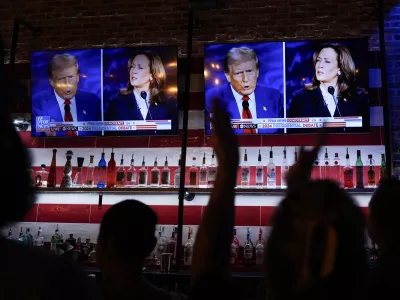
(310, 103)
(269, 104)
(124, 107)
(88, 108)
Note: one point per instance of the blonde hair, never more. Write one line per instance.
(239, 54)
(61, 61)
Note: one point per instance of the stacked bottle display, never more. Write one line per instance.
(349, 172)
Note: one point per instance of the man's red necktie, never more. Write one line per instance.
(68, 117)
(246, 113)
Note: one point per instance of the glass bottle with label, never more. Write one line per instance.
(120, 179)
(234, 248)
(161, 246)
(90, 172)
(284, 169)
(188, 250)
(39, 239)
(348, 173)
(326, 168)
(271, 171)
(155, 175)
(66, 181)
(245, 174)
(142, 174)
(248, 250)
(166, 174)
(78, 179)
(41, 176)
(382, 172)
(51, 180)
(131, 174)
(203, 173)
(371, 172)
(212, 171)
(111, 171)
(55, 240)
(177, 174)
(259, 171)
(359, 171)
(102, 171)
(193, 173)
(335, 170)
(260, 249)
(28, 238)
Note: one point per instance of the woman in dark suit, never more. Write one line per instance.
(333, 92)
(143, 98)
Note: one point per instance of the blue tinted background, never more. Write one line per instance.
(300, 67)
(270, 57)
(89, 62)
(115, 68)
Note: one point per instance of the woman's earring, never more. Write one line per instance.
(338, 74)
(151, 78)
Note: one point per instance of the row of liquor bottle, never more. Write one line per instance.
(109, 175)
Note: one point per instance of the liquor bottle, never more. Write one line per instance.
(236, 242)
(55, 240)
(193, 173)
(284, 169)
(259, 171)
(335, 169)
(166, 174)
(161, 246)
(359, 171)
(316, 170)
(172, 243)
(382, 172)
(78, 179)
(142, 180)
(92, 258)
(177, 174)
(260, 249)
(131, 174)
(21, 236)
(77, 252)
(212, 171)
(71, 240)
(41, 176)
(326, 170)
(295, 157)
(248, 250)
(234, 249)
(371, 172)
(51, 180)
(245, 178)
(111, 171)
(90, 172)
(86, 249)
(271, 171)
(102, 171)
(121, 174)
(39, 240)
(188, 250)
(28, 238)
(155, 175)
(348, 173)
(66, 181)
(9, 235)
(203, 173)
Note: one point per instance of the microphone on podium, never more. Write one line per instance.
(331, 90)
(245, 105)
(143, 94)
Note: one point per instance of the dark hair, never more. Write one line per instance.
(347, 77)
(304, 225)
(237, 54)
(383, 209)
(158, 73)
(61, 61)
(19, 193)
(130, 225)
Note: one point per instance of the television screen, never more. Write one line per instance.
(104, 92)
(291, 87)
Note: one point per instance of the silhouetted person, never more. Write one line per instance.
(126, 238)
(27, 273)
(384, 230)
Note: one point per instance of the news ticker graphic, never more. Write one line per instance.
(296, 123)
(44, 124)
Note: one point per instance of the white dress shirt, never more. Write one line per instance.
(251, 101)
(72, 107)
(330, 102)
(143, 104)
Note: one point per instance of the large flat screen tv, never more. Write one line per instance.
(104, 92)
(291, 87)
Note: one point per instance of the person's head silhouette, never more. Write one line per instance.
(126, 238)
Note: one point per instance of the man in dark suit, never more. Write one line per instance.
(63, 102)
(242, 96)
